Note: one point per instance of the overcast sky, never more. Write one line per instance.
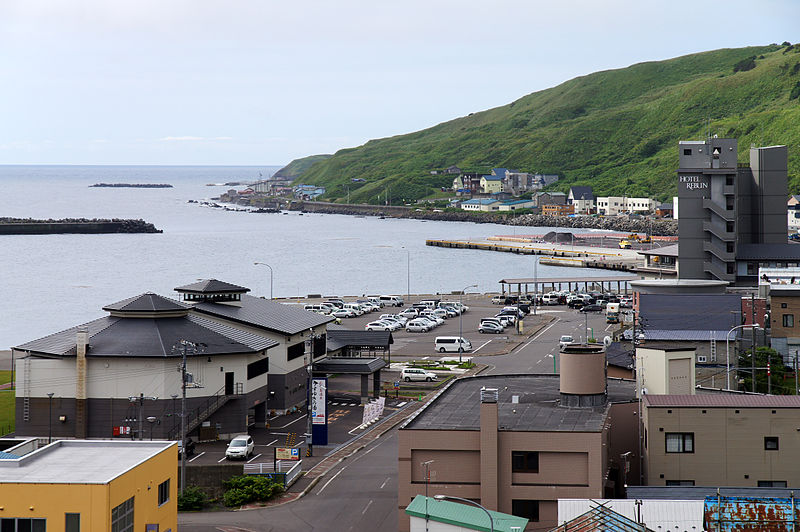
(265, 81)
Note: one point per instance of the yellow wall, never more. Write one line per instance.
(95, 501)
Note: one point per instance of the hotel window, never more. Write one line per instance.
(788, 320)
(525, 462)
(17, 524)
(122, 517)
(771, 483)
(163, 492)
(680, 442)
(72, 522)
(770, 443)
(525, 508)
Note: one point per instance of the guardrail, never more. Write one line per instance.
(267, 469)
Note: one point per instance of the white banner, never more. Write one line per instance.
(373, 410)
(318, 404)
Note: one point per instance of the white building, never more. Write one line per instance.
(614, 205)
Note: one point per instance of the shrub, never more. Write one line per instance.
(748, 63)
(192, 498)
(246, 488)
(795, 91)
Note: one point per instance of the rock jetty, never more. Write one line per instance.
(27, 226)
(132, 185)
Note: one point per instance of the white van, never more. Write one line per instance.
(316, 308)
(550, 299)
(430, 303)
(452, 344)
(355, 307)
(392, 301)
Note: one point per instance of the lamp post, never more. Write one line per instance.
(728, 356)
(270, 275)
(50, 418)
(459, 499)
(553, 356)
(151, 420)
(461, 313)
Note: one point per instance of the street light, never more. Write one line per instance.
(151, 420)
(50, 418)
(461, 313)
(554, 362)
(452, 498)
(270, 275)
(728, 354)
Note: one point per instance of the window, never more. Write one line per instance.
(525, 508)
(259, 367)
(729, 180)
(72, 522)
(783, 305)
(770, 443)
(21, 524)
(752, 268)
(771, 483)
(788, 320)
(729, 247)
(729, 227)
(680, 442)
(524, 462)
(296, 351)
(680, 482)
(163, 492)
(122, 517)
(687, 151)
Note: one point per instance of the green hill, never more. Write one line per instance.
(298, 166)
(616, 130)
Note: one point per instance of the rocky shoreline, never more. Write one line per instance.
(28, 226)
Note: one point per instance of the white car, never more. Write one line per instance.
(382, 326)
(432, 323)
(565, 340)
(402, 320)
(417, 374)
(409, 313)
(240, 447)
(418, 325)
(343, 313)
(430, 316)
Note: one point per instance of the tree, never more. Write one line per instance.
(779, 373)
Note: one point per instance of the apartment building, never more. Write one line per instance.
(614, 205)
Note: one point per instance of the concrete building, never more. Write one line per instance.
(615, 205)
(91, 485)
(491, 184)
(785, 320)
(793, 212)
(665, 370)
(732, 216)
(721, 440)
(481, 204)
(518, 443)
(558, 210)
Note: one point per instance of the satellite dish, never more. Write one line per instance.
(607, 341)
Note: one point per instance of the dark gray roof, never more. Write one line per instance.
(266, 314)
(620, 354)
(339, 338)
(663, 251)
(361, 366)
(150, 337)
(787, 251)
(148, 302)
(212, 286)
(581, 192)
(688, 312)
(694, 493)
(665, 206)
(458, 406)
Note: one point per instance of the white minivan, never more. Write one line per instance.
(392, 301)
(417, 374)
(452, 344)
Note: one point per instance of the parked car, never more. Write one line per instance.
(430, 321)
(453, 344)
(592, 308)
(497, 321)
(402, 320)
(380, 326)
(498, 300)
(565, 340)
(441, 313)
(576, 303)
(418, 325)
(417, 374)
(392, 301)
(189, 447)
(410, 313)
(343, 313)
(240, 447)
(490, 327)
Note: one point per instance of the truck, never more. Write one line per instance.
(612, 313)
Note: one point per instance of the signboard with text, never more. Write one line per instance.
(319, 411)
(287, 453)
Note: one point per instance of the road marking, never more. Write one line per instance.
(609, 326)
(198, 456)
(481, 347)
(366, 507)
(538, 361)
(331, 480)
(384, 482)
(221, 459)
(289, 423)
(270, 443)
(541, 333)
(253, 458)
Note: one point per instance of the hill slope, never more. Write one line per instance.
(298, 166)
(616, 130)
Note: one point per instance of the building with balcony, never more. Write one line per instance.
(733, 216)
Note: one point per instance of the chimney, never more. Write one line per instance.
(583, 378)
(82, 345)
(489, 448)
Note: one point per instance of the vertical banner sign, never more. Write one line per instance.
(319, 410)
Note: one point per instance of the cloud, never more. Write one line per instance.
(186, 138)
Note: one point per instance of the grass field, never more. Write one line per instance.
(5, 376)
(6, 411)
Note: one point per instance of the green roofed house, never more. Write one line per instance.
(458, 516)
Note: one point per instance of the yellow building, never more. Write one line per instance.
(491, 184)
(88, 485)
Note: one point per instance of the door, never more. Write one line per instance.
(229, 383)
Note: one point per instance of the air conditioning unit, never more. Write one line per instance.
(701, 358)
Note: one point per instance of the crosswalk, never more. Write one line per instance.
(352, 405)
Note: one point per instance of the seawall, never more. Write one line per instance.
(49, 227)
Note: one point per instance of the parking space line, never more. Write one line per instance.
(221, 459)
(482, 345)
(384, 482)
(366, 507)
(253, 458)
(270, 443)
(289, 423)
(198, 456)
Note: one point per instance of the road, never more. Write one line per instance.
(358, 494)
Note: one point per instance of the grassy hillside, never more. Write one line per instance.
(616, 130)
(299, 166)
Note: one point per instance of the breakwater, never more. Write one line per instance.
(22, 226)
(132, 185)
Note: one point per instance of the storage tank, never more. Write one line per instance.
(583, 375)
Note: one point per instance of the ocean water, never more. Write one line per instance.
(51, 282)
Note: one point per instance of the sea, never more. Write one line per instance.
(49, 283)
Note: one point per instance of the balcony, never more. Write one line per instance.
(718, 272)
(719, 252)
(719, 232)
(718, 209)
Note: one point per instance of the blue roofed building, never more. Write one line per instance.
(491, 184)
(481, 204)
(514, 205)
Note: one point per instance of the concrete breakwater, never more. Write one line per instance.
(19, 226)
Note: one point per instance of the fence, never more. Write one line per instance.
(267, 469)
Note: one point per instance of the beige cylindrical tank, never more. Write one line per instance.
(583, 370)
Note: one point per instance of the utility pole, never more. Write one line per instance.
(185, 346)
(753, 343)
(427, 466)
(140, 400)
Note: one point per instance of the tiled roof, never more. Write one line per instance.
(492, 178)
(786, 251)
(148, 302)
(581, 192)
(499, 172)
(338, 338)
(211, 286)
(724, 401)
(266, 314)
(688, 312)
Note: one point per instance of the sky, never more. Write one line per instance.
(262, 82)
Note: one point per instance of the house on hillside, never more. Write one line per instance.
(468, 183)
(541, 199)
(793, 208)
(491, 184)
(308, 192)
(582, 198)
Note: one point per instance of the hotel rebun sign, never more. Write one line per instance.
(693, 185)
